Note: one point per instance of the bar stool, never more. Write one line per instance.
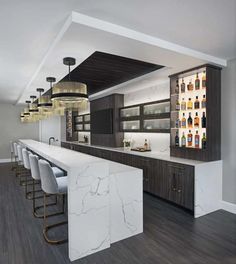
(12, 155)
(15, 157)
(26, 162)
(21, 172)
(33, 160)
(52, 185)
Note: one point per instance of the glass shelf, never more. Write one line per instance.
(130, 112)
(130, 125)
(157, 108)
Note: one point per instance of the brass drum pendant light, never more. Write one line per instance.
(69, 92)
(44, 101)
(33, 106)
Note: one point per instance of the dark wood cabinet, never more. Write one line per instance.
(168, 180)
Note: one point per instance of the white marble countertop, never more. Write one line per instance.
(161, 155)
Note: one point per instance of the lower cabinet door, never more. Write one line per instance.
(181, 184)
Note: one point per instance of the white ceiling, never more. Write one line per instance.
(29, 27)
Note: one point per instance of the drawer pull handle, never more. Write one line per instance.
(179, 191)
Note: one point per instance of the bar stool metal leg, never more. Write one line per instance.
(46, 227)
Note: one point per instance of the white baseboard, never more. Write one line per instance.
(5, 160)
(229, 207)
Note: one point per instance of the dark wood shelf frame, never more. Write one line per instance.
(83, 123)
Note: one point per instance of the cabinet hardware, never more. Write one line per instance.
(179, 191)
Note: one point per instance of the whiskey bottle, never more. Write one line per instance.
(203, 120)
(196, 120)
(190, 86)
(183, 104)
(196, 140)
(183, 121)
(145, 144)
(196, 103)
(189, 104)
(183, 140)
(190, 121)
(177, 139)
(204, 101)
(182, 86)
(204, 141)
(197, 83)
(177, 106)
(204, 80)
(177, 87)
(190, 139)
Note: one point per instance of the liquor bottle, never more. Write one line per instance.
(196, 103)
(145, 144)
(196, 120)
(204, 141)
(177, 139)
(177, 123)
(204, 101)
(183, 104)
(183, 140)
(203, 120)
(197, 83)
(177, 106)
(183, 121)
(177, 87)
(196, 140)
(189, 104)
(182, 86)
(190, 86)
(190, 121)
(190, 139)
(204, 80)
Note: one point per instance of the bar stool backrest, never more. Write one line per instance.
(48, 179)
(34, 166)
(25, 155)
(19, 153)
(15, 149)
(11, 146)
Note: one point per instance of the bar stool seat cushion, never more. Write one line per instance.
(62, 184)
(58, 172)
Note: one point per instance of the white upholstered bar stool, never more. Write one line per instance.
(15, 157)
(26, 162)
(33, 160)
(21, 171)
(12, 155)
(52, 185)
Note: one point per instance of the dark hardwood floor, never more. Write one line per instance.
(171, 235)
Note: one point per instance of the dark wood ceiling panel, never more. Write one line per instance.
(102, 70)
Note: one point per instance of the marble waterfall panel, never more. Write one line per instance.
(126, 202)
(88, 209)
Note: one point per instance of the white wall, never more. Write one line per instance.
(11, 128)
(50, 127)
(228, 130)
(160, 91)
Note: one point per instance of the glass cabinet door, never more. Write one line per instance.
(130, 112)
(130, 125)
(157, 108)
(79, 127)
(156, 124)
(87, 118)
(79, 119)
(87, 127)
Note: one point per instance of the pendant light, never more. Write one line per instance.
(33, 108)
(44, 101)
(56, 107)
(26, 110)
(69, 93)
